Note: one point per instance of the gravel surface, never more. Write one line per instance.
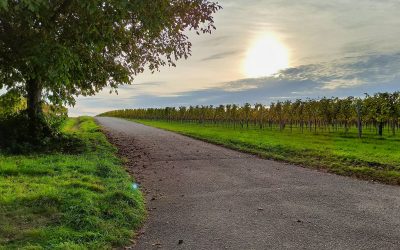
(202, 196)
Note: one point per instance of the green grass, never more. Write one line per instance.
(370, 158)
(68, 201)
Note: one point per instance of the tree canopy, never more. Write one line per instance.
(60, 49)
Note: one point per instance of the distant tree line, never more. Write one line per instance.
(374, 112)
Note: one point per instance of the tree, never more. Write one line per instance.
(58, 50)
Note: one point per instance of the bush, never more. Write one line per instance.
(17, 137)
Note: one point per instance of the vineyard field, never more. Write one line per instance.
(376, 113)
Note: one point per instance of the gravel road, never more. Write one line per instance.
(202, 196)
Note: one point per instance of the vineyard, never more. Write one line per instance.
(374, 114)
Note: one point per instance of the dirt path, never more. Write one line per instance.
(203, 196)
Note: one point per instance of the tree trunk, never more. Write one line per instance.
(359, 126)
(380, 128)
(34, 107)
(394, 127)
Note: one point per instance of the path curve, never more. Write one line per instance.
(202, 196)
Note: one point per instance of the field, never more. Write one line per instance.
(371, 157)
(78, 200)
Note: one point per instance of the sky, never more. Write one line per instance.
(269, 50)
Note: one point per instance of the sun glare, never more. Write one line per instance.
(266, 57)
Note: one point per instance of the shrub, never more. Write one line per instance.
(16, 136)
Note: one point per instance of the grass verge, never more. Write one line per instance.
(369, 158)
(81, 200)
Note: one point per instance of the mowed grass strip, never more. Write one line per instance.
(82, 200)
(370, 158)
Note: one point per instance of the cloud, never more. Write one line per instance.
(348, 72)
(220, 55)
(352, 76)
(140, 84)
(216, 41)
(150, 83)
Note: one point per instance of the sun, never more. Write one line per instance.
(266, 57)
